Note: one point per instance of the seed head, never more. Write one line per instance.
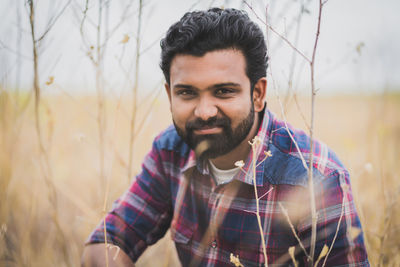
(239, 163)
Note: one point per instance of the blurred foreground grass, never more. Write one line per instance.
(363, 130)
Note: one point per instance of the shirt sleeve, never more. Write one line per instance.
(337, 224)
(142, 215)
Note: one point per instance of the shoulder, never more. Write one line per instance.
(290, 148)
(169, 141)
(169, 154)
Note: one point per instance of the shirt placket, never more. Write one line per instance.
(215, 200)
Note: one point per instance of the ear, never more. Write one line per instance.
(259, 94)
(168, 90)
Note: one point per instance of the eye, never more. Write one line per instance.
(224, 92)
(186, 93)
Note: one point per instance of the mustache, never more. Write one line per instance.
(196, 124)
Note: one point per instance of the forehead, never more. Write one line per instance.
(227, 65)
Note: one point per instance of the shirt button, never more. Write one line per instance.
(214, 244)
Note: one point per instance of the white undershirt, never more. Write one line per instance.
(223, 176)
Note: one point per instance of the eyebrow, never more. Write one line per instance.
(214, 86)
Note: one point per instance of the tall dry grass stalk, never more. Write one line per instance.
(311, 132)
(44, 160)
(254, 144)
(135, 90)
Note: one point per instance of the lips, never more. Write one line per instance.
(207, 130)
(200, 128)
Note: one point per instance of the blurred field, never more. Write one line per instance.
(363, 130)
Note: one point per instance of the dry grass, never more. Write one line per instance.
(364, 131)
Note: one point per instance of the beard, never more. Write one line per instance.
(214, 145)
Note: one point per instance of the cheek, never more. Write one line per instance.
(237, 112)
(180, 113)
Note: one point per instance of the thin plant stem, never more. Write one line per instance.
(44, 161)
(303, 160)
(104, 222)
(53, 21)
(19, 59)
(253, 148)
(293, 230)
(101, 120)
(101, 115)
(279, 35)
(135, 89)
(337, 230)
(84, 16)
(311, 159)
(300, 112)
(142, 122)
(294, 57)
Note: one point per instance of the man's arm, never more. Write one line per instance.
(139, 218)
(94, 255)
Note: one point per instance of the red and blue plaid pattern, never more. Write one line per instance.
(209, 222)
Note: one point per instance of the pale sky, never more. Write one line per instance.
(358, 49)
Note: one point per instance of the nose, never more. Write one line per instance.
(205, 109)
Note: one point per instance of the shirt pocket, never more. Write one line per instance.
(241, 232)
(182, 231)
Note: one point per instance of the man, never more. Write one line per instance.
(199, 181)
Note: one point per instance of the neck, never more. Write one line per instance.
(241, 152)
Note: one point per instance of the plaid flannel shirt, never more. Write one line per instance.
(209, 222)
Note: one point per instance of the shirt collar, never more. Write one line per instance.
(201, 166)
(263, 136)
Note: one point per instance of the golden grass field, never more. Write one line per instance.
(39, 228)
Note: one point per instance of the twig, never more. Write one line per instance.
(287, 127)
(293, 230)
(250, 211)
(310, 171)
(98, 63)
(44, 158)
(266, 193)
(323, 253)
(337, 229)
(387, 227)
(101, 122)
(4, 46)
(291, 251)
(51, 23)
(254, 144)
(142, 122)
(84, 16)
(293, 60)
(104, 220)
(121, 21)
(267, 155)
(135, 89)
(279, 35)
(300, 111)
(19, 61)
(281, 105)
(153, 43)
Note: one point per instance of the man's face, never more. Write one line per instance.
(210, 101)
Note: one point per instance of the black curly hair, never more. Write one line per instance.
(199, 32)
